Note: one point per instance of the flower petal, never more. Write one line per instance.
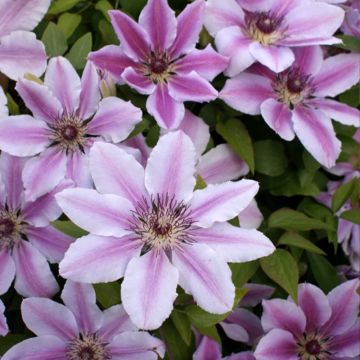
(278, 116)
(64, 82)
(232, 42)
(208, 349)
(337, 74)
(42, 173)
(149, 289)
(255, 294)
(167, 112)
(107, 257)
(109, 214)
(206, 277)
(221, 164)
(315, 131)
(171, 166)
(115, 119)
(309, 59)
(22, 135)
(107, 164)
(3, 325)
(133, 38)
(38, 98)
(47, 317)
(20, 53)
(159, 22)
(251, 217)
(246, 92)
(221, 202)
(207, 63)
(77, 169)
(283, 314)
(7, 271)
(139, 82)
(51, 242)
(33, 275)
(191, 87)
(189, 24)
(3, 104)
(235, 244)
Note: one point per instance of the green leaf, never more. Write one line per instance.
(107, 32)
(343, 193)
(289, 219)
(201, 318)
(351, 215)
(9, 341)
(324, 273)
(238, 138)
(239, 294)
(182, 325)
(270, 157)
(104, 6)
(60, 6)
(282, 268)
(140, 127)
(210, 332)
(108, 294)
(78, 53)
(243, 272)
(200, 183)
(351, 43)
(69, 228)
(294, 239)
(133, 7)
(54, 40)
(68, 23)
(351, 97)
(12, 105)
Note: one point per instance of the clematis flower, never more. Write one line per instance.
(79, 330)
(27, 240)
(320, 327)
(151, 227)
(248, 31)
(157, 57)
(20, 51)
(295, 101)
(68, 117)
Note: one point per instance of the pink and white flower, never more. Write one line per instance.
(80, 330)
(295, 101)
(68, 117)
(265, 31)
(150, 226)
(319, 327)
(20, 51)
(157, 57)
(27, 241)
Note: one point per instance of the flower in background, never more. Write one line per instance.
(351, 25)
(3, 104)
(20, 51)
(68, 117)
(295, 101)
(150, 226)
(157, 57)
(248, 31)
(27, 240)
(3, 325)
(319, 327)
(80, 330)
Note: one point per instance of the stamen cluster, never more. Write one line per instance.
(158, 67)
(87, 347)
(10, 229)
(313, 346)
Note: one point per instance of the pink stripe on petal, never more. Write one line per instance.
(309, 59)
(235, 244)
(278, 116)
(134, 40)
(189, 24)
(47, 317)
(159, 21)
(64, 82)
(114, 120)
(110, 214)
(77, 169)
(33, 275)
(107, 164)
(205, 276)
(42, 173)
(171, 166)
(191, 87)
(21, 53)
(7, 271)
(22, 135)
(315, 131)
(80, 299)
(149, 289)
(246, 92)
(107, 257)
(167, 112)
(139, 82)
(39, 100)
(221, 202)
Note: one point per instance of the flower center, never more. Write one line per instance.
(158, 67)
(70, 132)
(87, 347)
(162, 223)
(313, 346)
(10, 229)
(263, 27)
(6, 227)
